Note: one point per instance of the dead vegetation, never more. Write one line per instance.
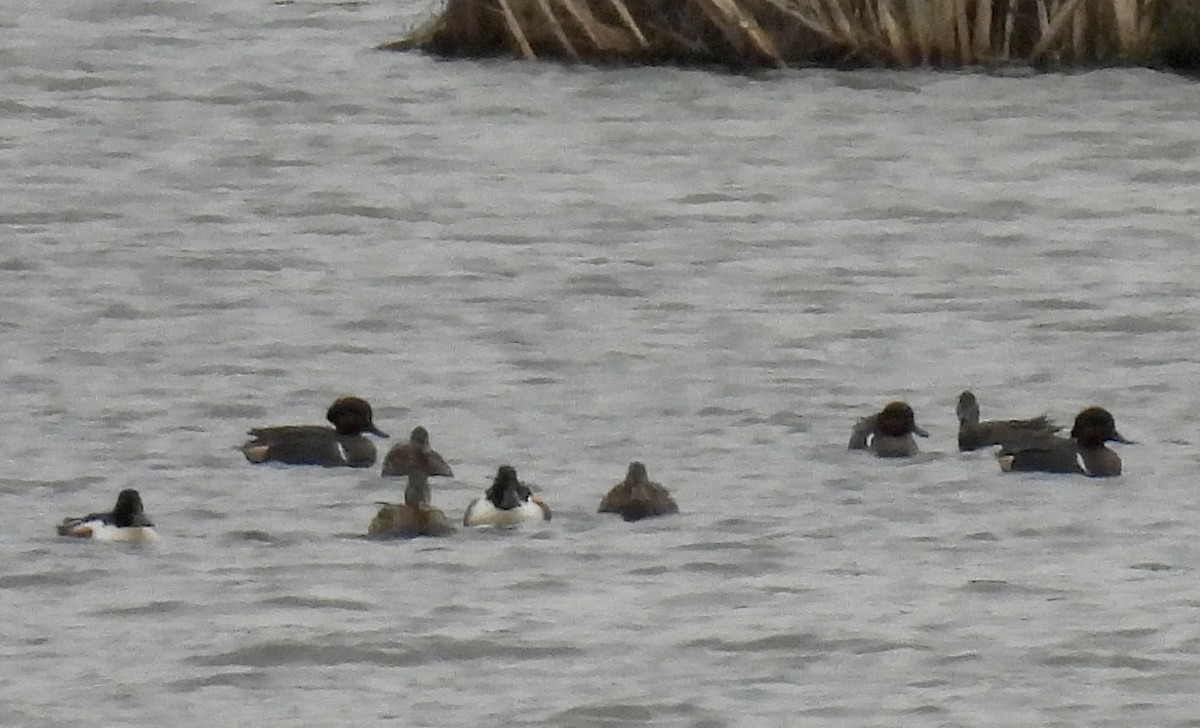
(776, 33)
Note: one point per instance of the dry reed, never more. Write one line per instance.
(766, 33)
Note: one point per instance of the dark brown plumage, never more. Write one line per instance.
(638, 497)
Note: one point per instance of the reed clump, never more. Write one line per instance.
(774, 33)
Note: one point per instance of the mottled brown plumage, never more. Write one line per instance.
(415, 516)
(415, 455)
(638, 497)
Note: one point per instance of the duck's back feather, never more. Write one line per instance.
(399, 520)
(309, 445)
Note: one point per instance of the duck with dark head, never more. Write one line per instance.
(340, 445)
(1083, 453)
(507, 503)
(127, 522)
(889, 432)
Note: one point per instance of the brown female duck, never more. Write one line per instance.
(638, 497)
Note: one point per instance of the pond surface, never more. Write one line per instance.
(225, 214)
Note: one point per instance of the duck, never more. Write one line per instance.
(409, 520)
(416, 454)
(1083, 453)
(509, 502)
(889, 432)
(342, 445)
(415, 516)
(638, 497)
(126, 522)
(974, 434)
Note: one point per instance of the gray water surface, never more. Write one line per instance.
(225, 214)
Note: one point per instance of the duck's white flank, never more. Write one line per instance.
(98, 530)
(1082, 464)
(482, 512)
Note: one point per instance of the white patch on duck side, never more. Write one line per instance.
(1083, 468)
(482, 512)
(257, 453)
(342, 452)
(129, 534)
(100, 531)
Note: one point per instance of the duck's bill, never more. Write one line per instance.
(919, 431)
(378, 432)
(1116, 437)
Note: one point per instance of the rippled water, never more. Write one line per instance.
(225, 214)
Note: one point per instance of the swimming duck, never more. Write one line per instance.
(415, 516)
(507, 503)
(409, 520)
(126, 522)
(341, 445)
(974, 434)
(415, 454)
(638, 497)
(889, 433)
(1084, 452)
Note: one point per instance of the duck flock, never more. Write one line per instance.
(1024, 445)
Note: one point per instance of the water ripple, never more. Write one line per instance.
(430, 650)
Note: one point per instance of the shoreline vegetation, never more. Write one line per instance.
(1050, 34)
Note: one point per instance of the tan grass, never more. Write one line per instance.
(515, 31)
(627, 19)
(557, 29)
(780, 32)
(1054, 27)
(982, 46)
(1010, 21)
(1133, 25)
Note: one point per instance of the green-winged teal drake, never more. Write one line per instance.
(127, 521)
(1084, 452)
(415, 516)
(341, 445)
(1013, 434)
(889, 432)
(509, 502)
(638, 497)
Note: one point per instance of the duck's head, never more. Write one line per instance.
(419, 438)
(967, 408)
(352, 416)
(636, 473)
(507, 492)
(1094, 426)
(429, 460)
(897, 420)
(129, 507)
